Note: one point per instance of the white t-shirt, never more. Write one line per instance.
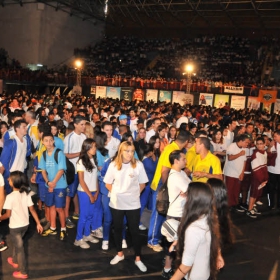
(149, 134)
(275, 169)
(113, 146)
(233, 168)
(125, 193)
(2, 183)
(20, 159)
(197, 250)
(73, 144)
(133, 124)
(18, 203)
(181, 120)
(177, 182)
(90, 178)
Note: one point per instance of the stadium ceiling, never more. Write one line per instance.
(237, 14)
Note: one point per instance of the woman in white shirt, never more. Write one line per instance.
(198, 242)
(125, 179)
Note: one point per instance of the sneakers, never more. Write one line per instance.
(257, 212)
(97, 233)
(18, 274)
(105, 245)
(239, 209)
(10, 261)
(142, 227)
(63, 234)
(251, 214)
(156, 248)
(116, 259)
(90, 239)
(259, 203)
(82, 243)
(124, 244)
(47, 225)
(141, 266)
(167, 275)
(75, 216)
(3, 246)
(49, 232)
(69, 223)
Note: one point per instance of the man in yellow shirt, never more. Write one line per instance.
(161, 175)
(205, 165)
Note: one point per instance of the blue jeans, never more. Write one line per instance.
(18, 250)
(154, 233)
(87, 211)
(107, 218)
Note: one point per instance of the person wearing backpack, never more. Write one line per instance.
(55, 194)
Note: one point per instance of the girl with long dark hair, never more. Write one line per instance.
(88, 191)
(155, 143)
(220, 194)
(198, 235)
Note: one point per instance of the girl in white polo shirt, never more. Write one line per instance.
(125, 179)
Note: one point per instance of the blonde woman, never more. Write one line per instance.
(89, 132)
(125, 179)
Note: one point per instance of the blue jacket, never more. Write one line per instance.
(9, 153)
(103, 171)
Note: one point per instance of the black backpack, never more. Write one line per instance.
(162, 201)
(70, 169)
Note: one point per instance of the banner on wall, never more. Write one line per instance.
(165, 96)
(138, 94)
(182, 98)
(93, 90)
(126, 93)
(100, 92)
(206, 99)
(267, 96)
(231, 89)
(277, 106)
(253, 103)
(267, 107)
(220, 100)
(152, 94)
(237, 102)
(113, 92)
(77, 90)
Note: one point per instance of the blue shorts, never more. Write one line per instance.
(42, 191)
(72, 188)
(56, 198)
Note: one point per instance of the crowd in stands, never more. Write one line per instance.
(160, 63)
(111, 159)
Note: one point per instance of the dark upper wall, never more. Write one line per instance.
(36, 33)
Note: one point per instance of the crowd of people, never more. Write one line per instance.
(103, 163)
(160, 63)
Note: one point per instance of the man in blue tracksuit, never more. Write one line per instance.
(15, 152)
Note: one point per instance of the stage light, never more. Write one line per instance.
(189, 68)
(78, 63)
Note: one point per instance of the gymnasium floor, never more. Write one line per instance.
(254, 256)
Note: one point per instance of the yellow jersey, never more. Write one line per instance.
(163, 161)
(210, 164)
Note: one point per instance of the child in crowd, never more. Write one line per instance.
(17, 204)
(88, 191)
(55, 193)
(259, 176)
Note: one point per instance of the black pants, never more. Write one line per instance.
(273, 188)
(133, 220)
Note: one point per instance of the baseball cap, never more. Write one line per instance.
(122, 117)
